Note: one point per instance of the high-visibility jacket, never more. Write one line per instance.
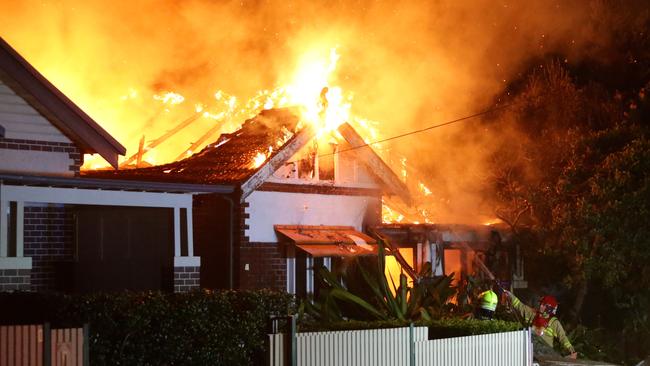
(552, 330)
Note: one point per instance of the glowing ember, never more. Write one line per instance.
(424, 189)
(259, 159)
(170, 98)
(389, 215)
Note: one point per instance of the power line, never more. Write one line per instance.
(423, 129)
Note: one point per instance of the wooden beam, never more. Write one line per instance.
(375, 164)
(186, 122)
(196, 144)
(276, 161)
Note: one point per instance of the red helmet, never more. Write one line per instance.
(550, 302)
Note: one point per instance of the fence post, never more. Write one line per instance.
(86, 344)
(411, 346)
(294, 345)
(47, 345)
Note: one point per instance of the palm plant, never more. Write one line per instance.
(427, 298)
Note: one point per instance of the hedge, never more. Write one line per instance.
(154, 328)
(442, 328)
(195, 328)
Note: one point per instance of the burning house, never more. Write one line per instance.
(299, 198)
(257, 208)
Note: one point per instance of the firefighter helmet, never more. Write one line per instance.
(551, 304)
(488, 300)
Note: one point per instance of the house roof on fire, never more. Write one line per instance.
(229, 160)
(35, 89)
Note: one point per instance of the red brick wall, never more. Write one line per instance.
(267, 267)
(33, 145)
(49, 241)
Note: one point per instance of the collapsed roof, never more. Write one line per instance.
(229, 160)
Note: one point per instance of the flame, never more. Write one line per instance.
(389, 215)
(424, 189)
(494, 221)
(169, 98)
(325, 105)
(258, 160)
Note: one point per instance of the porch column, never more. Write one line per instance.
(187, 269)
(15, 270)
(4, 230)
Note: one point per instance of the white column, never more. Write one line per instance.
(4, 230)
(190, 233)
(20, 213)
(291, 275)
(177, 231)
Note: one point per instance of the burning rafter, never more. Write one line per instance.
(162, 138)
(374, 162)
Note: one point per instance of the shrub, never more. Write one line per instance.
(442, 328)
(154, 328)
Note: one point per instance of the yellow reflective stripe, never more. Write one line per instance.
(550, 331)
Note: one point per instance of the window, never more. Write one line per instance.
(301, 274)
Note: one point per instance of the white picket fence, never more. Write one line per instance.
(400, 346)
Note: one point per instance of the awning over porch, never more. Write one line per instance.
(329, 241)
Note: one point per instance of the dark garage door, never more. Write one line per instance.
(124, 248)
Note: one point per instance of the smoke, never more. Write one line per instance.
(409, 64)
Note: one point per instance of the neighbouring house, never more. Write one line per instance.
(60, 231)
(308, 199)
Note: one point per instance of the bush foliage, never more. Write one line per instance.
(153, 328)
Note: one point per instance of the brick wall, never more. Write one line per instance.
(48, 240)
(267, 267)
(34, 145)
(186, 278)
(15, 279)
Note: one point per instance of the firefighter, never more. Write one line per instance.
(543, 321)
(487, 305)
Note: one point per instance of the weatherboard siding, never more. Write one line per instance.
(22, 121)
(31, 144)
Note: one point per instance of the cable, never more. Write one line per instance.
(423, 129)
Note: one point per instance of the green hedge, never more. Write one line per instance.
(443, 328)
(196, 328)
(153, 328)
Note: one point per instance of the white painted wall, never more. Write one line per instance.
(283, 208)
(39, 162)
(21, 121)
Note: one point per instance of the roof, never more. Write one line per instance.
(229, 160)
(36, 90)
(329, 241)
(111, 184)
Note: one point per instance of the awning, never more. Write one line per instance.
(329, 241)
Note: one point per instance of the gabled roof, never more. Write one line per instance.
(36, 90)
(229, 160)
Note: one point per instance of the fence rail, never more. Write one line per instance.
(38, 345)
(399, 346)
